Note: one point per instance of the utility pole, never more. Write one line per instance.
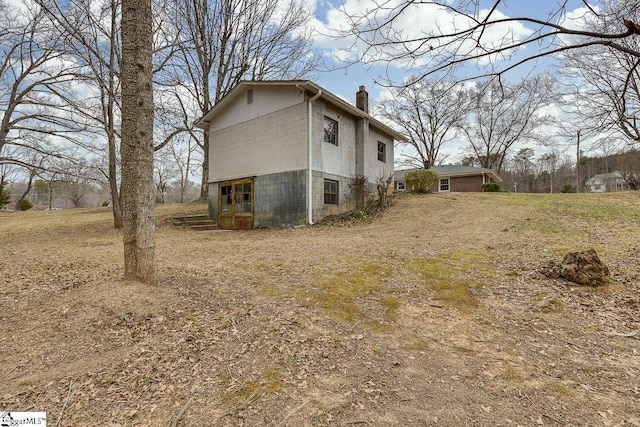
(578, 163)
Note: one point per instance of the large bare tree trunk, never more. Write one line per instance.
(137, 142)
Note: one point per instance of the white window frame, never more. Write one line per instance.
(448, 185)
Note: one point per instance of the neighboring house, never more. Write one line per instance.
(454, 178)
(606, 182)
(285, 153)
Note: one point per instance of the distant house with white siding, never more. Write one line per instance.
(284, 153)
(606, 182)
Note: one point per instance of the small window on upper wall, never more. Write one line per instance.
(249, 96)
(330, 131)
(382, 151)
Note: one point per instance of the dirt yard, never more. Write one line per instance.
(435, 313)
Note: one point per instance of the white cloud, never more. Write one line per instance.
(411, 25)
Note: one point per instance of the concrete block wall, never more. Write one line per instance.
(280, 199)
(346, 199)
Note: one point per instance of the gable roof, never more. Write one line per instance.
(606, 176)
(451, 171)
(203, 122)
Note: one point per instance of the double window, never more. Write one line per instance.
(330, 131)
(330, 192)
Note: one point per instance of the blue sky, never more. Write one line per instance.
(344, 81)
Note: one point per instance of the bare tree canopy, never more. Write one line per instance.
(480, 34)
(606, 85)
(35, 76)
(225, 41)
(503, 115)
(430, 113)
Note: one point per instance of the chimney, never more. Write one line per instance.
(362, 99)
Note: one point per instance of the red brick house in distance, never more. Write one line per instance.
(454, 178)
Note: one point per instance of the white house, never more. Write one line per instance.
(284, 153)
(602, 183)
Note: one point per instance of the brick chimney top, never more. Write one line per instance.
(362, 99)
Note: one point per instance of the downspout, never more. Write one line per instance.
(310, 156)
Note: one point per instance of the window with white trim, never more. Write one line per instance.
(445, 184)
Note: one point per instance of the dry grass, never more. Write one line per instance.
(427, 315)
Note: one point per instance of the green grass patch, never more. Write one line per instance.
(343, 295)
(412, 342)
(454, 276)
(602, 207)
(562, 390)
(270, 382)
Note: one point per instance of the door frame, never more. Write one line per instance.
(234, 215)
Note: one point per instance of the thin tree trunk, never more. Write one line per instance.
(116, 206)
(137, 142)
(204, 190)
(32, 174)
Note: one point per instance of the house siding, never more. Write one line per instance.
(466, 183)
(374, 168)
(263, 139)
(267, 144)
(332, 159)
(266, 100)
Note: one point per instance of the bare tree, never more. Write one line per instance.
(430, 112)
(93, 42)
(34, 74)
(226, 41)
(184, 157)
(474, 33)
(549, 163)
(503, 115)
(522, 166)
(92, 32)
(137, 141)
(606, 82)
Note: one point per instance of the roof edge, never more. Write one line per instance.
(203, 122)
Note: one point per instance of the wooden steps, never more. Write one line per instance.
(196, 222)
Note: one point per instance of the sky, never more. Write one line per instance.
(344, 80)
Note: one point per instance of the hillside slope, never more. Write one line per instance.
(433, 314)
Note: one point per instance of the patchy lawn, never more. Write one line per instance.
(435, 313)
